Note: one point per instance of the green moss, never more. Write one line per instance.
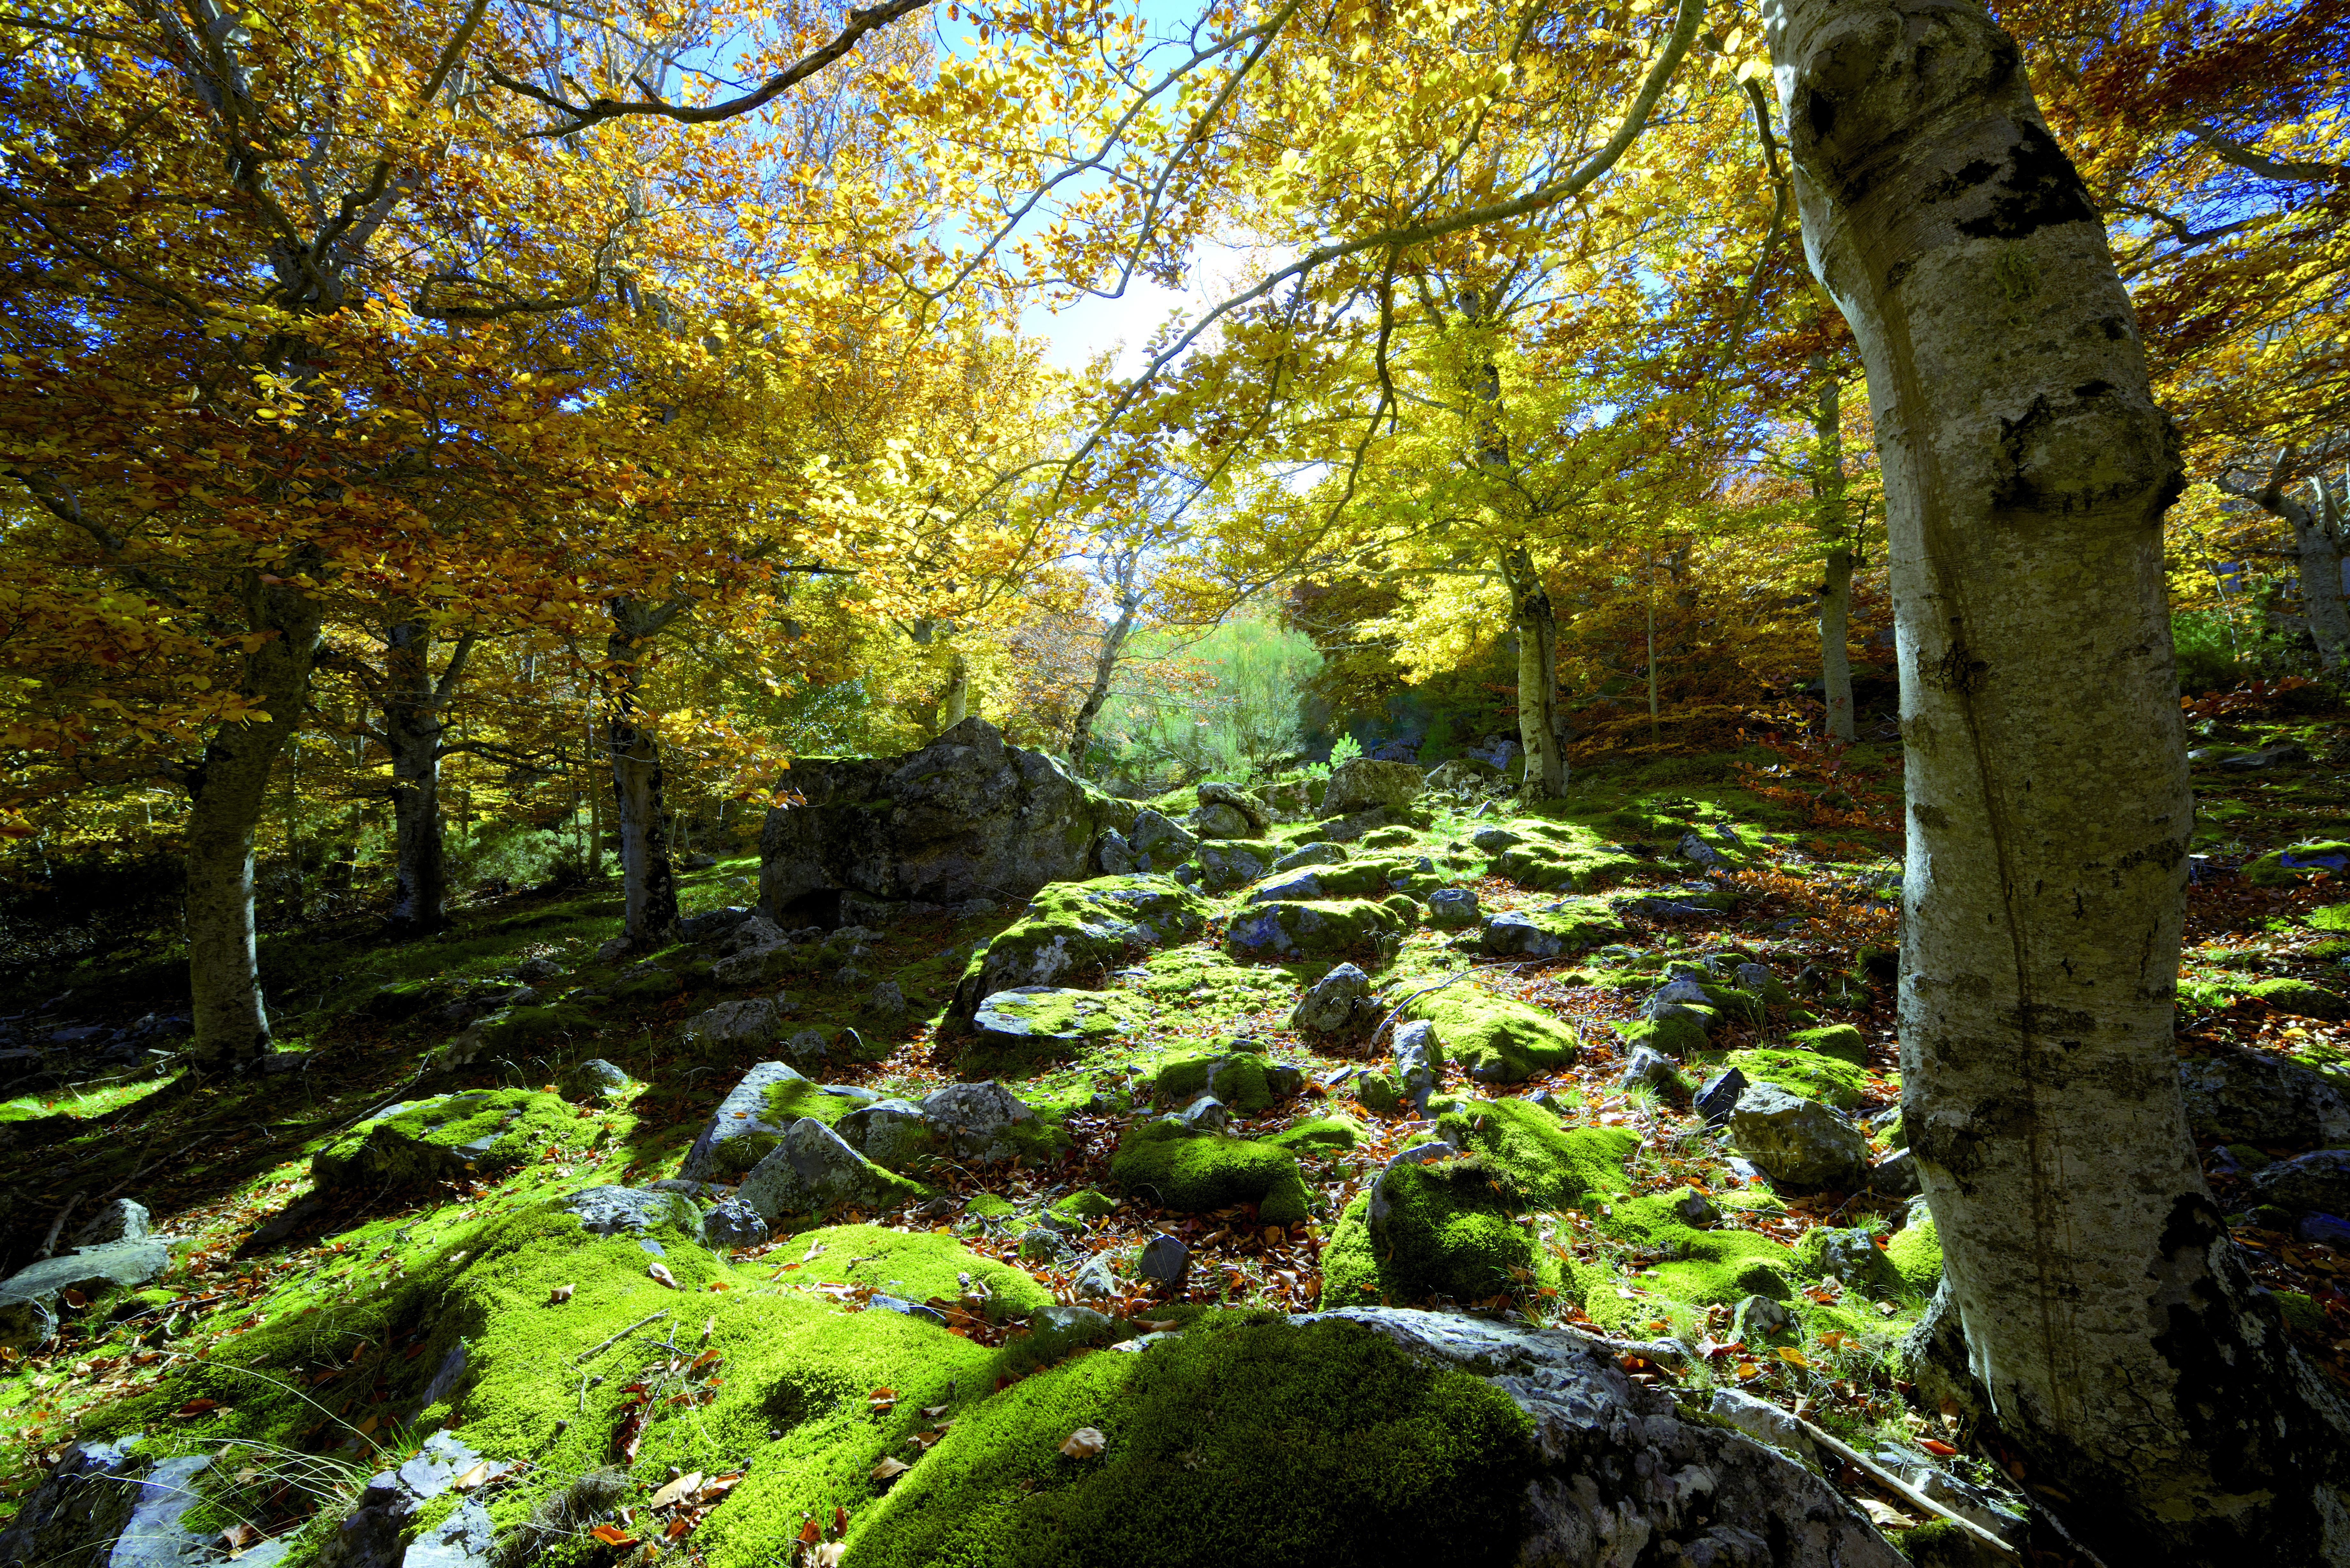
(1916, 1253)
(1574, 925)
(1072, 929)
(1321, 928)
(1240, 1079)
(1319, 1132)
(2301, 1315)
(2270, 871)
(1841, 1040)
(1733, 1001)
(1559, 855)
(1677, 1034)
(1016, 1032)
(990, 1206)
(1494, 1038)
(1194, 1172)
(1555, 1166)
(1806, 1073)
(449, 1137)
(1237, 1444)
(1450, 1232)
(1939, 1543)
(914, 1266)
(1086, 1204)
(2331, 917)
(1690, 1265)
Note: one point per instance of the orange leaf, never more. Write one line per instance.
(1937, 1448)
(613, 1536)
(810, 1530)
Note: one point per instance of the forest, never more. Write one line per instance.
(1288, 781)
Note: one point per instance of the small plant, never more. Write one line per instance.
(1346, 750)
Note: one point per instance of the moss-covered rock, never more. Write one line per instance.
(1570, 926)
(1677, 1034)
(1916, 1253)
(1033, 1023)
(1325, 929)
(1234, 863)
(1193, 1172)
(1440, 1228)
(2284, 868)
(513, 1031)
(1494, 1039)
(812, 1170)
(401, 998)
(447, 1139)
(1841, 1040)
(1692, 1264)
(1339, 1131)
(2300, 997)
(1073, 930)
(2330, 918)
(1240, 1079)
(1806, 1073)
(1243, 1444)
(1084, 1204)
(1543, 854)
(1551, 1165)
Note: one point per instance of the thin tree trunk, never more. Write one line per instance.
(2146, 1386)
(1081, 732)
(1537, 627)
(2317, 548)
(649, 883)
(413, 704)
(1830, 522)
(228, 790)
(955, 706)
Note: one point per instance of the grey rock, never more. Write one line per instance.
(1221, 867)
(1112, 856)
(1719, 1097)
(733, 1223)
(758, 931)
(748, 1023)
(2249, 1096)
(1041, 1245)
(977, 1120)
(1296, 887)
(714, 923)
(29, 1297)
(1765, 1423)
(465, 1539)
(807, 1045)
(1694, 1207)
(1795, 1141)
(966, 816)
(1493, 840)
(1416, 1058)
(2285, 754)
(1305, 855)
(1421, 1153)
(1094, 1279)
(1060, 1328)
(537, 972)
(1231, 796)
(594, 1079)
(1363, 784)
(738, 1134)
(120, 1221)
(1218, 822)
(905, 1308)
(760, 965)
(72, 1518)
(1757, 1318)
(811, 1172)
(1623, 1479)
(608, 1211)
(1934, 1359)
(1206, 1115)
(887, 1001)
(2328, 1230)
(1165, 1260)
(892, 1134)
(1895, 1176)
(682, 1185)
(1453, 907)
(1648, 1067)
(1338, 1006)
(1159, 838)
(2318, 1182)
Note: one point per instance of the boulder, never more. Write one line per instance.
(593, 1079)
(892, 1134)
(1418, 1058)
(743, 1128)
(608, 1211)
(1159, 838)
(1031, 1023)
(1338, 1007)
(120, 1221)
(1463, 773)
(705, 926)
(757, 931)
(983, 1124)
(1070, 932)
(1797, 1142)
(1252, 810)
(765, 964)
(1245, 1078)
(811, 1172)
(1362, 784)
(1112, 856)
(1218, 822)
(1765, 1423)
(732, 1224)
(1437, 1226)
(1193, 1172)
(1653, 1069)
(2250, 1096)
(1306, 928)
(448, 1138)
(1223, 867)
(74, 1517)
(1165, 1260)
(1316, 854)
(1453, 907)
(754, 1022)
(30, 1298)
(966, 816)
(1494, 1039)
(2318, 1182)
(1547, 933)
(1841, 1040)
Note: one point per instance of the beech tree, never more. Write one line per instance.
(2117, 1336)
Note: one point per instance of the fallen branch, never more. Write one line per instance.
(1388, 1022)
(606, 1345)
(1900, 1487)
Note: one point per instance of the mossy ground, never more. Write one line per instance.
(1578, 1225)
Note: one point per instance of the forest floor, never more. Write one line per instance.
(339, 1295)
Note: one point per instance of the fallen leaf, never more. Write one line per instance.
(882, 1400)
(1084, 1443)
(238, 1537)
(369, 1425)
(1746, 1370)
(1793, 1356)
(74, 1298)
(663, 1275)
(839, 1519)
(1936, 1447)
(717, 1486)
(678, 1488)
(1154, 1325)
(1885, 1516)
(679, 1526)
(934, 1411)
(613, 1536)
(473, 1477)
(814, 1248)
(890, 1469)
(810, 1530)
(560, 1294)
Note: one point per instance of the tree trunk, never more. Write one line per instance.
(2317, 550)
(1081, 732)
(412, 727)
(649, 885)
(228, 790)
(2146, 1384)
(1829, 521)
(1537, 627)
(955, 706)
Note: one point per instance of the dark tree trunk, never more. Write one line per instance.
(1081, 731)
(414, 708)
(228, 791)
(1830, 521)
(2146, 1383)
(649, 883)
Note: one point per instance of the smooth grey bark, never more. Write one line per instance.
(1830, 521)
(2147, 1385)
(649, 883)
(1537, 626)
(228, 789)
(955, 706)
(414, 707)
(2318, 543)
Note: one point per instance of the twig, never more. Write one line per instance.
(49, 1241)
(1388, 1022)
(606, 1345)
(1902, 1489)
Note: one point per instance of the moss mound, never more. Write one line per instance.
(1551, 1165)
(1543, 854)
(1073, 929)
(1236, 1444)
(1493, 1038)
(1916, 1253)
(2331, 917)
(1443, 1229)
(450, 1137)
(1841, 1040)
(2286, 867)
(2301, 999)
(1194, 1172)
(1693, 1265)
(1322, 927)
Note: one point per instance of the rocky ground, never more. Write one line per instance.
(1316, 1185)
